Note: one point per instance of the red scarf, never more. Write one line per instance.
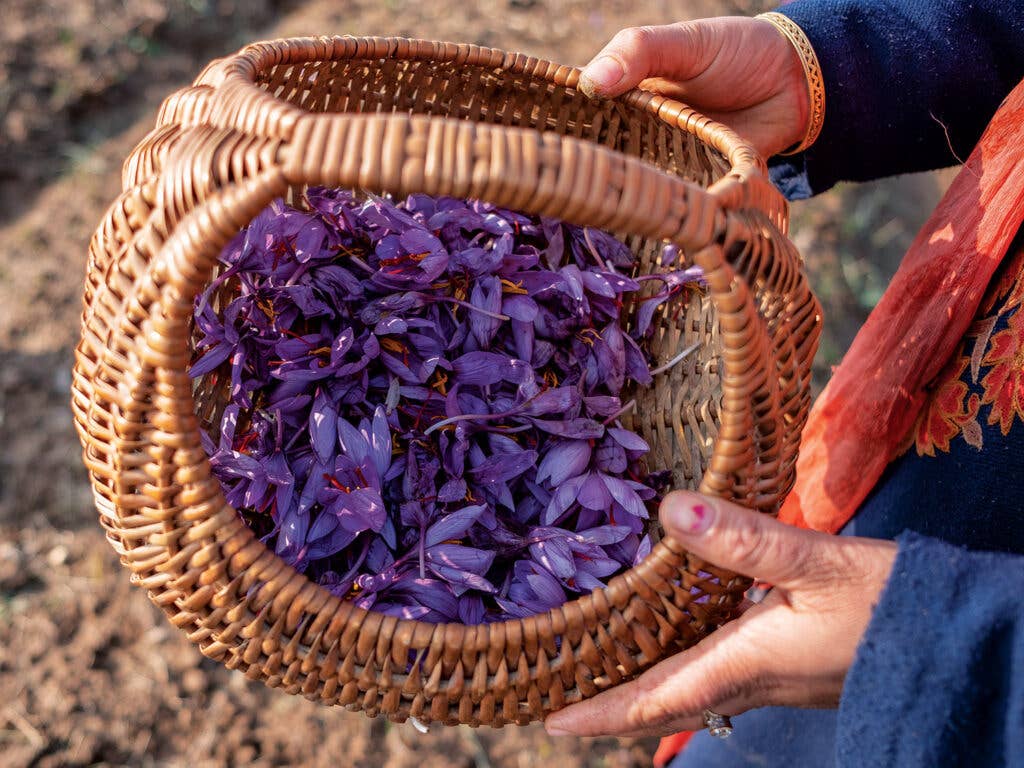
(860, 421)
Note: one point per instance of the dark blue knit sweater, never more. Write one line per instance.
(910, 84)
(939, 676)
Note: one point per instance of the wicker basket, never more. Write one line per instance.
(397, 115)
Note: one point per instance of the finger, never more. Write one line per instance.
(726, 672)
(744, 606)
(634, 54)
(747, 542)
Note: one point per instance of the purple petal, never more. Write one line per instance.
(352, 442)
(523, 337)
(643, 550)
(564, 460)
(471, 609)
(645, 312)
(585, 582)
(361, 510)
(519, 307)
(432, 594)
(554, 555)
(453, 490)
(575, 429)
(483, 368)
(594, 494)
(503, 467)
(210, 359)
(380, 442)
(453, 525)
(486, 295)
(323, 427)
(636, 365)
(595, 282)
(628, 440)
(561, 400)
(549, 592)
(612, 356)
(563, 498)
(610, 457)
(626, 497)
(461, 566)
(603, 534)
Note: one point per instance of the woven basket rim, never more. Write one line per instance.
(243, 69)
(747, 172)
(227, 104)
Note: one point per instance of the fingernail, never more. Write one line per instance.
(601, 74)
(553, 729)
(689, 514)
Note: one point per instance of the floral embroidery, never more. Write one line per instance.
(949, 412)
(1003, 385)
(986, 370)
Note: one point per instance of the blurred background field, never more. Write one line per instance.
(90, 673)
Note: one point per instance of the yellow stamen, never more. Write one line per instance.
(507, 286)
(442, 380)
(392, 345)
(588, 335)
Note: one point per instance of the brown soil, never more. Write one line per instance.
(90, 672)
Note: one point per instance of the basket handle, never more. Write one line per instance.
(519, 168)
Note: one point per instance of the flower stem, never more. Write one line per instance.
(361, 264)
(466, 304)
(676, 360)
(597, 254)
(624, 409)
(465, 417)
(423, 550)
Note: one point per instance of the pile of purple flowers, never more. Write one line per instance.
(423, 401)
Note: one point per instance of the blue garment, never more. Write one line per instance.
(939, 676)
(937, 680)
(969, 492)
(909, 84)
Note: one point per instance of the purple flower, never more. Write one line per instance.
(414, 259)
(672, 284)
(563, 460)
(423, 397)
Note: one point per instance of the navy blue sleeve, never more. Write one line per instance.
(909, 86)
(939, 676)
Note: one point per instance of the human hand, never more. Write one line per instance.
(737, 70)
(793, 649)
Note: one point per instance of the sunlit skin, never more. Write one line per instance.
(793, 649)
(740, 71)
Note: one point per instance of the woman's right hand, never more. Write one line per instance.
(737, 70)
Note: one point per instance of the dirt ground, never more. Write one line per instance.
(90, 673)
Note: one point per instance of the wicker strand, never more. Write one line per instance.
(397, 115)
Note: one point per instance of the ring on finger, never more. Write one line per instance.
(717, 725)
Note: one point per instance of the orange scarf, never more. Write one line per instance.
(860, 421)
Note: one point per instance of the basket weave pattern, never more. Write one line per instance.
(401, 116)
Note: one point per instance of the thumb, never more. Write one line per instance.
(637, 53)
(742, 540)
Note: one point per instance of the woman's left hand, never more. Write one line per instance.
(792, 649)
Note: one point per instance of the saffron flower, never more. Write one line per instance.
(422, 400)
